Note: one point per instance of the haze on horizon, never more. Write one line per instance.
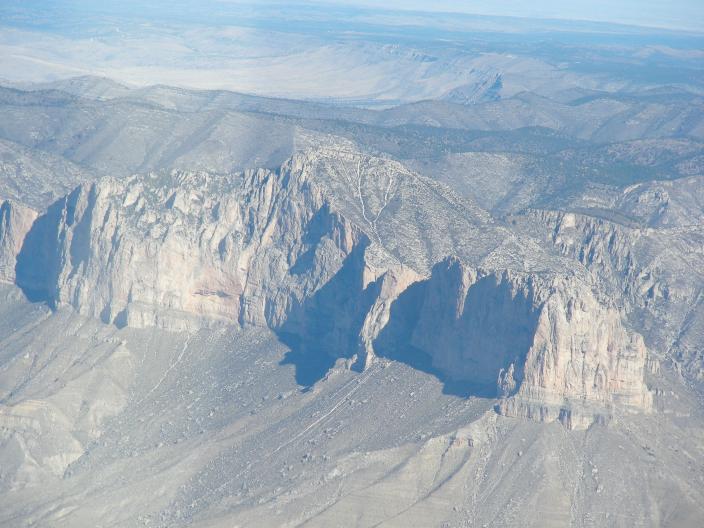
(335, 50)
(672, 14)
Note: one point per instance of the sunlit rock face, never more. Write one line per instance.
(15, 221)
(656, 272)
(582, 363)
(185, 250)
(302, 251)
(545, 345)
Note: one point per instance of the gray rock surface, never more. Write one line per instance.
(220, 309)
(322, 250)
(15, 222)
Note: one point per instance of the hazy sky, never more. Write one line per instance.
(673, 14)
(687, 14)
(325, 49)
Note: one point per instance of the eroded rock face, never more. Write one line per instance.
(473, 323)
(582, 363)
(15, 222)
(307, 257)
(546, 345)
(656, 272)
(185, 250)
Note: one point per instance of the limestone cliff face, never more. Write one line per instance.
(15, 222)
(307, 257)
(392, 284)
(473, 323)
(187, 249)
(582, 364)
(552, 349)
(657, 272)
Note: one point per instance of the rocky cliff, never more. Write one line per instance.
(183, 250)
(325, 251)
(15, 222)
(546, 345)
(656, 272)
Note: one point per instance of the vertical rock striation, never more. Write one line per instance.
(184, 250)
(15, 222)
(307, 257)
(545, 345)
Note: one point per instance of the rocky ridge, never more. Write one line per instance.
(553, 348)
(655, 272)
(339, 250)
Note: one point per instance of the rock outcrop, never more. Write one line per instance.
(15, 222)
(185, 250)
(583, 364)
(306, 251)
(656, 272)
(544, 344)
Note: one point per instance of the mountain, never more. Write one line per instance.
(336, 267)
(460, 285)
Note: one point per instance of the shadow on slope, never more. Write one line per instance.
(37, 266)
(326, 326)
(395, 343)
(466, 349)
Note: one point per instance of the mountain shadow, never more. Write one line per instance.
(37, 265)
(466, 350)
(325, 327)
